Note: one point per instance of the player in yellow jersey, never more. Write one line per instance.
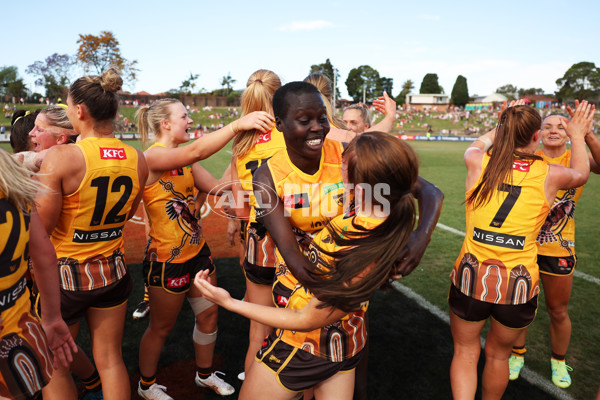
(95, 186)
(556, 251)
(26, 363)
(508, 196)
(300, 189)
(250, 150)
(176, 250)
(315, 344)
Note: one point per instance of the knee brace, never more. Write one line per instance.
(203, 338)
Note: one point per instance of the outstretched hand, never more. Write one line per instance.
(582, 120)
(255, 120)
(593, 111)
(211, 292)
(60, 341)
(385, 104)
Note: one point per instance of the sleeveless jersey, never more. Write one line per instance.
(25, 360)
(175, 232)
(88, 238)
(557, 236)
(309, 201)
(498, 260)
(259, 247)
(344, 338)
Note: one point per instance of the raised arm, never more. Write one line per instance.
(594, 155)
(386, 105)
(165, 159)
(305, 319)
(429, 198)
(43, 257)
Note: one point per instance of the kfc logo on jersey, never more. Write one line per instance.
(522, 166)
(178, 282)
(176, 172)
(112, 154)
(264, 137)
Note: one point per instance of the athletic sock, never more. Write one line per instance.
(519, 351)
(204, 373)
(558, 357)
(146, 382)
(146, 296)
(93, 384)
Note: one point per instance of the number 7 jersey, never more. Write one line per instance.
(89, 235)
(498, 259)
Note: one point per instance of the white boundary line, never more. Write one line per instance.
(530, 376)
(577, 274)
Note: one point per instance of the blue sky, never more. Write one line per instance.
(525, 43)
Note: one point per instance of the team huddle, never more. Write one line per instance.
(331, 217)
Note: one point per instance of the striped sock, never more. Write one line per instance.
(146, 382)
(519, 351)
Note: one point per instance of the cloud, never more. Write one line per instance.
(305, 26)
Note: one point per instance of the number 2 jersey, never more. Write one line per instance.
(498, 260)
(557, 236)
(309, 201)
(342, 339)
(24, 357)
(175, 232)
(89, 236)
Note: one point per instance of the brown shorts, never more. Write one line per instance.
(281, 295)
(74, 304)
(177, 277)
(513, 316)
(297, 369)
(259, 275)
(556, 265)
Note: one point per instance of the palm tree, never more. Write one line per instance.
(228, 81)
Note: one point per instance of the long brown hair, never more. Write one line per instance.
(98, 94)
(515, 130)
(258, 96)
(372, 158)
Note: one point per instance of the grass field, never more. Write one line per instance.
(422, 345)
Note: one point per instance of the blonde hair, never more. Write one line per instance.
(149, 117)
(98, 94)
(57, 116)
(16, 184)
(258, 96)
(323, 83)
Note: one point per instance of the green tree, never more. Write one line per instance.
(430, 84)
(363, 78)
(10, 83)
(98, 53)
(460, 92)
(508, 90)
(386, 84)
(227, 82)
(524, 92)
(188, 85)
(329, 71)
(581, 81)
(407, 86)
(52, 73)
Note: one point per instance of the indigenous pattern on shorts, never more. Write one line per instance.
(344, 338)
(24, 358)
(175, 232)
(498, 259)
(557, 236)
(90, 226)
(310, 201)
(93, 273)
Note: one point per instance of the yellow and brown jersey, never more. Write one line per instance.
(557, 236)
(25, 363)
(309, 201)
(344, 338)
(265, 147)
(175, 232)
(89, 235)
(497, 263)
